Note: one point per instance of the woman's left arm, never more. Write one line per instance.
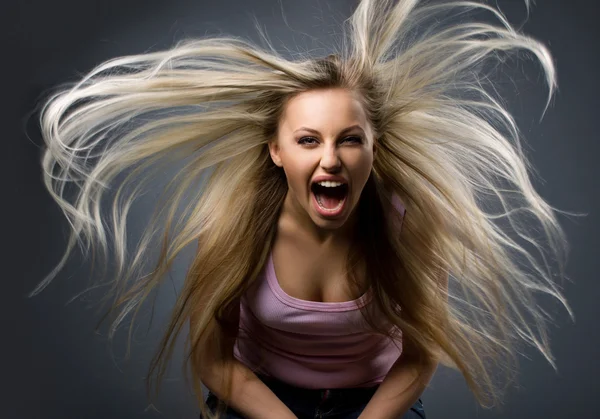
(403, 385)
(406, 380)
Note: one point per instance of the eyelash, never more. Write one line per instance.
(355, 138)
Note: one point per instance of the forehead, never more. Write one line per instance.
(324, 110)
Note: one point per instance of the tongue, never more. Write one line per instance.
(329, 198)
(328, 201)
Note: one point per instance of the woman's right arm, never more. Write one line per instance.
(249, 395)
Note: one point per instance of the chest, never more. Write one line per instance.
(315, 274)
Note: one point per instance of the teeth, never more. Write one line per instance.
(328, 184)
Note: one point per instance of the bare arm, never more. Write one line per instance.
(400, 389)
(405, 382)
(249, 395)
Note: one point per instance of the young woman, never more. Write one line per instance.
(360, 217)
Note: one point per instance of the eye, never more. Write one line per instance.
(354, 139)
(307, 140)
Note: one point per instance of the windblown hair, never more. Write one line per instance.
(446, 146)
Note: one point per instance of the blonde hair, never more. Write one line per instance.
(447, 147)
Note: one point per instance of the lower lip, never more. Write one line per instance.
(327, 213)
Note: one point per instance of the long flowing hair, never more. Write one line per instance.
(447, 147)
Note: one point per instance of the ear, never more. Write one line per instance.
(274, 152)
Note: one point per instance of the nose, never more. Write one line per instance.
(330, 161)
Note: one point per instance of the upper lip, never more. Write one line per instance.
(329, 178)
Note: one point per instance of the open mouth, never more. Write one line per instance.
(330, 196)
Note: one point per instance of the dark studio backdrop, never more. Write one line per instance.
(55, 366)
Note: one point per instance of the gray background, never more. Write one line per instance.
(56, 367)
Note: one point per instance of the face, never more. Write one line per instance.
(324, 144)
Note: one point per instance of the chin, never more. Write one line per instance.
(330, 224)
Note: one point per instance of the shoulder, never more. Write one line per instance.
(397, 210)
(398, 204)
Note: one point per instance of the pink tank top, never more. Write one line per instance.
(310, 344)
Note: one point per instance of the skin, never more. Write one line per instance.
(310, 248)
(323, 132)
(308, 243)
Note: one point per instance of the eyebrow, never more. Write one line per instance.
(344, 131)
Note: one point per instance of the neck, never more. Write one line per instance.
(295, 214)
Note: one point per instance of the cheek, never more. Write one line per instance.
(297, 173)
(361, 164)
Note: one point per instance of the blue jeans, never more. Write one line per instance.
(342, 403)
